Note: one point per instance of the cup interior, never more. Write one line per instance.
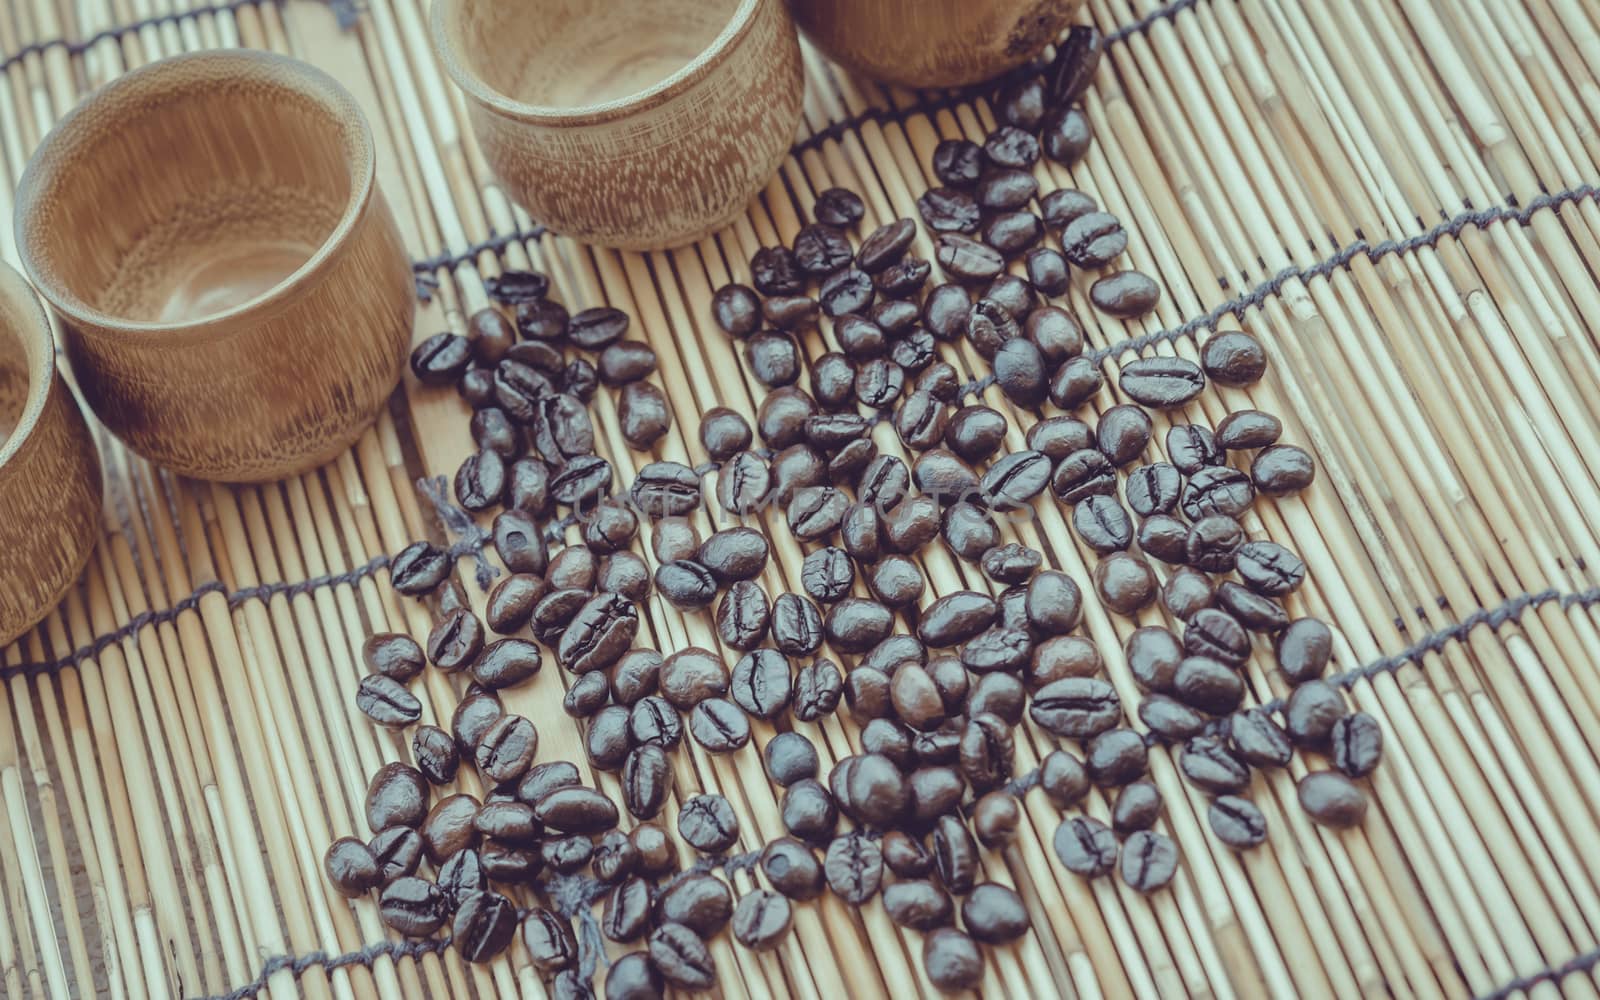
(25, 362)
(192, 189)
(562, 55)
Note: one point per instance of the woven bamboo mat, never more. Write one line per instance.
(1393, 195)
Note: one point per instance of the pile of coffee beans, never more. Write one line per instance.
(936, 782)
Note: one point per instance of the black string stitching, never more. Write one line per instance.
(80, 46)
(1582, 962)
(573, 895)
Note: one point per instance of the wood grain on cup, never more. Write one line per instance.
(236, 299)
(49, 470)
(639, 124)
(932, 43)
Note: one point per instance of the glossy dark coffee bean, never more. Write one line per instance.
(1208, 685)
(703, 903)
(796, 625)
(435, 753)
(855, 624)
(419, 568)
(1247, 430)
(528, 495)
(571, 569)
(1282, 470)
(450, 827)
(774, 271)
(1093, 240)
(397, 795)
(1010, 146)
(413, 907)
(1137, 807)
(626, 574)
(761, 920)
(743, 616)
(1185, 592)
(1122, 434)
(821, 249)
(994, 914)
(952, 959)
(511, 865)
(1063, 778)
(581, 481)
(682, 959)
(920, 421)
(575, 809)
(508, 822)
(955, 618)
(566, 855)
(543, 320)
(1012, 233)
(1054, 603)
(1254, 612)
(1048, 272)
(914, 351)
(990, 325)
(862, 534)
(625, 914)
(691, 675)
(761, 684)
(1311, 713)
(601, 631)
(1212, 543)
(737, 310)
(789, 757)
(1083, 474)
(1072, 70)
(508, 662)
(1233, 358)
(1011, 563)
(351, 867)
(1075, 382)
(643, 414)
(518, 389)
(1102, 524)
(1019, 370)
(393, 654)
(485, 923)
(472, 718)
(1269, 569)
(818, 688)
(1127, 294)
(896, 581)
(550, 941)
(1125, 583)
(1076, 707)
(792, 868)
(1115, 757)
(949, 210)
(975, 432)
(506, 750)
(815, 512)
(998, 649)
(493, 431)
(886, 245)
(631, 977)
(1149, 860)
(877, 793)
(397, 851)
(542, 779)
(884, 482)
(1065, 135)
(1356, 745)
(652, 720)
(744, 483)
(1221, 489)
(441, 359)
(1002, 189)
(860, 338)
(1258, 740)
(838, 206)
(808, 811)
(1303, 650)
(1165, 537)
(987, 752)
(1332, 799)
(580, 378)
(1063, 205)
(918, 904)
(879, 383)
(773, 358)
(1237, 822)
(511, 602)
(969, 531)
(1085, 846)
(957, 162)
(724, 433)
(1162, 383)
(386, 702)
(1153, 654)
(562, 429)
(708, 823)
(1000, 694)
(1209, 765)
(847, 290)
(966, 260)
(1062, 656)
(686, 584)
(827, 574)
(719, 726)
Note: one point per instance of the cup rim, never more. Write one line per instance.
(39, 349)
(442, 24)
(46, 173)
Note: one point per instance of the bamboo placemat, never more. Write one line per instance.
(1393, 195)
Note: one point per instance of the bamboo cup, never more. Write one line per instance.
(49, 470)
(236, 299)
(638, 124)
(932, 43)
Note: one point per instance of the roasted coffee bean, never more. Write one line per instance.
(545, 778)
(681, 958)
(761, 920)
(914, 351)
(601, 631)
(691, 675)
(773, 358)
(1303, 650)
(1269, 569)
(1077, 58)
(987, 751)
(774, 271)
(847, 290)
(562, 429)
(1165, 537)
(1191, 448)
(1083, 474)
(449, 827)
(435, 753)
(816, 512)
(886, 245)
(1125, 583)
(896, 581)
(827, 574)
(393, 654)
(808, 811)
(1063, 778)
(1153, 654)
(737, 310)
(703, 903)
(1065, 135)
(631, 977)
(789, 758)
(998, 649)
(916, 697)
(1054, 603)
(493, 431)
(910, 525)
(514, 287)
(952, 959)
(996, 818)
(957, 162)
(1102, 524)
(1062, 656)
(1185, 592)
(792, 868)
(1138, 806)
(884, 482)
(743, 483)
(1115, 757)
(1260, 614)
(862, 534)
(955, 618)
(920, 421)
(1162, 383)
(860, 338)
(566, 855)
(1000, 694)
(1247, 430)
(626, 574)
(1010, 146)
(518, 388)
(625, 915)
(1122, 433)
(1093, 240)
(1237, 822)
(1258, 740)
(556, 609)
(855, 624)
(441, 359)
(1011, 563)
(918, 904)
(1085, 846)
(527, 495)
(719, 725)
(1002, 189)
(743, 615)
(833, 382)
(397, 851)
(1356, 745)
(876, 792)
(1233, 358)
(419, 568)
(1076, 707)
(1149, 860)
(761, 684)
(1011, 233)
(1128, 294)
(1213, 542)
(597, 328)
(817, 690)
(506, 750)
(796, 625)
(838, 206)
(460, 876)
(1019, 370)
(508, 822)
(542, 357)
(473, 716)
(550, 941)
(581, 481)
(653, 721)
(949, 210)
(966, 260)
(1208, 685)
(1221, 489)
(1312, 711)
(386, 701)
(1075, 383)
(575, 809)
(1282, 470)
(543, 320)
(510, 865)
(572, 568)
(396, 796)
(1210, 766)
(511, 602)
(666, 489)
(879, 383)
(969, 531)
(413, 906)
(989, 326)
(821, 249)
(643, 415)
(351, 867)
(1332, 799)
(1063, 205)
(995, 914)
(724, 433)
(507, 662)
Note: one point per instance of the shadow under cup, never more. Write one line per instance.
(49, 471)
(236, 299)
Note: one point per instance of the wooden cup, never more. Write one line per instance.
(932, 43)
(49, 469)
(639, 124)
(236, 298)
